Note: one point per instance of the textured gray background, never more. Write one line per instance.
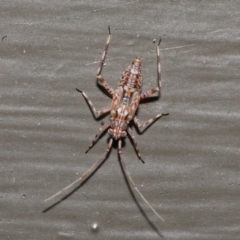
(192, 170)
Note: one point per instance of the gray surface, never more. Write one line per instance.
(192, 170)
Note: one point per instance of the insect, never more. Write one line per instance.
(125, 101)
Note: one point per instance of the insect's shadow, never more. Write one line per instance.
(150, 99)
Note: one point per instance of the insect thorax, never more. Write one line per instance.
(126, 99)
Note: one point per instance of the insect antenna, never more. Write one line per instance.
(132, 182)
(84, 175)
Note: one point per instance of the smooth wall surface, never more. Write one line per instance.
(192, 170)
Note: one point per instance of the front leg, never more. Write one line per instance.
(149, 93)
(142, 127)
(96, 113)
(104, 52)
(104, 84)
(158, 88)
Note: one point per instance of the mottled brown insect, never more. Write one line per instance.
(125, 101)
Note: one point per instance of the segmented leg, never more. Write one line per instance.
(96, 113)
(86, 174)
(158, 88)
(134, 143)
(100, 131)
(104, 52)
(142, 127)
(127, 173)
(101, 81)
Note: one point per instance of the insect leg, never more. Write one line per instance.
(104, 84)
(134, 143)
(86, 174)
(158, 88)
(104, 52)
(101, 130)
(142, 127)
(100, 79)
(132, 182)
(96, 113)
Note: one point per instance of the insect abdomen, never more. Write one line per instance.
(131, 78)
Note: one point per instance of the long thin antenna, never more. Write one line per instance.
(87, 173)
(132, 182)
